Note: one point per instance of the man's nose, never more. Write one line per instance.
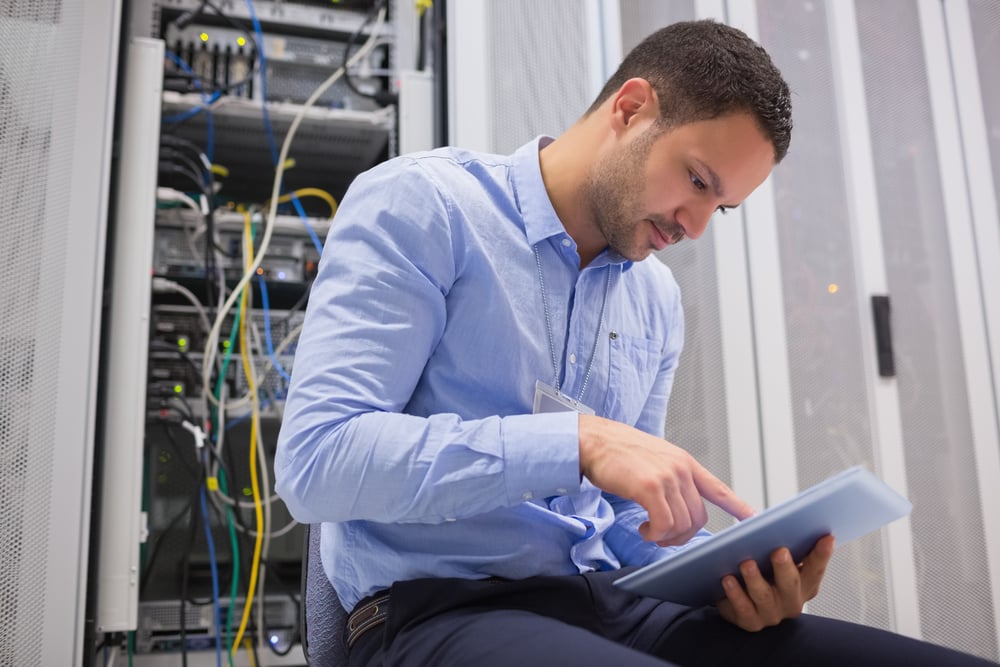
(696, 222)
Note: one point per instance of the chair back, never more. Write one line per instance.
(323, 621)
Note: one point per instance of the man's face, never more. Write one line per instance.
(659, 187)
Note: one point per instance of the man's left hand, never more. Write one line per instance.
(759, 604)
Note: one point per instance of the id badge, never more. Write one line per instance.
(550, 399)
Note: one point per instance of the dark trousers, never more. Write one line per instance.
(584, 620)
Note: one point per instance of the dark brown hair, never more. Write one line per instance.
(701, 70)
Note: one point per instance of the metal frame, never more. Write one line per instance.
(604, 32)
(883, 395)
(124, 408)
(982, 197)
(737, 337)
(80, 284)
(959, 180)
(470, 85)
(766, 299)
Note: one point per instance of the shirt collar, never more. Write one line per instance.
(540, 219)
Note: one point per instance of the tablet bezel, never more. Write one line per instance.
(847, 505)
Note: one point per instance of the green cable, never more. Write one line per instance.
(234, 587)
(236, 567)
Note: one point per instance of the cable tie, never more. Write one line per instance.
(199, 435)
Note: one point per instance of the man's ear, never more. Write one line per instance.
(634, 102)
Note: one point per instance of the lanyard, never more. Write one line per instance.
(548, 327)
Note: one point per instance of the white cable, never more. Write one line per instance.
(171, 195)
(161, 284)
(213, 335)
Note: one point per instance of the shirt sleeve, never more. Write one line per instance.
(624, 539)
(346, 449)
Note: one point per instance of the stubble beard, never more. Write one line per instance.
(614, 189)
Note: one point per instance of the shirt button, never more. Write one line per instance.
(527, 495)
(572, 358)
(567, 243)
(561, 491)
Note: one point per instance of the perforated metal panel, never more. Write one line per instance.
(832, 424)
(696, 418)
(639, 18)
(50, 228)
(29, 329)
(985, 19)
(539, 60)
(954, 587)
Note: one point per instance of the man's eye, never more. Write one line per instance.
(722, 209)
(697, 182)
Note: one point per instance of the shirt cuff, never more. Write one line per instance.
(541, 455)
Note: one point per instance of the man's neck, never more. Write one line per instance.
(564, 166)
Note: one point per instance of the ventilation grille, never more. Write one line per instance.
(831, 419)
(38, 66)
(948, 540)
(540, 69)
(640, 18)
(985, 18)
(696, 418)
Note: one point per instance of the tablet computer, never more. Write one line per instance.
(847, 505)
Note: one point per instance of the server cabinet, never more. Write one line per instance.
(888, 195)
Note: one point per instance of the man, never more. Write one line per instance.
(479, 394)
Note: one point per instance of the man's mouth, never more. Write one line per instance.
(667, 234)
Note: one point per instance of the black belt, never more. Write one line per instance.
(372, 611)
(369, 613)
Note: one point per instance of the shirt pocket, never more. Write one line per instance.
(635, 362)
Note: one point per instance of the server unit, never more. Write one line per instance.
(225, 243)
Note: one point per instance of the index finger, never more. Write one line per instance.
(717, 492)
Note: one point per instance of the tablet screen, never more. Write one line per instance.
(847, 505)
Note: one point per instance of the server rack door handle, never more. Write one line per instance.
(883, 336)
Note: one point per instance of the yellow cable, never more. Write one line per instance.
(252, 390)
(312, 192)
(249, 648)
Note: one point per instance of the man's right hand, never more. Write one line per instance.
(665, 479)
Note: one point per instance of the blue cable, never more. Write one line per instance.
(263, 81)
(267, 330)
(215, 577)
(269, 131)
(305, 221)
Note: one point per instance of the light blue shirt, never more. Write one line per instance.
(408, 429)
